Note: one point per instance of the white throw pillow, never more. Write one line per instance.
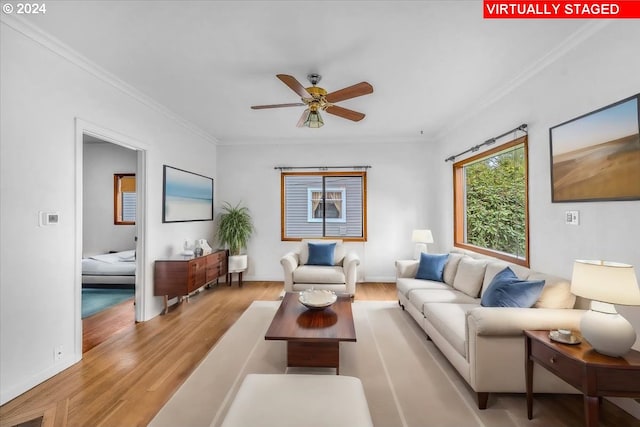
(451, 267)
(556, 292)
(470, 275)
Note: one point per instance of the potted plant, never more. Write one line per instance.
(234, 230)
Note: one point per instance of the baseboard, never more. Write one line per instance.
(12, 392)
(383, 279)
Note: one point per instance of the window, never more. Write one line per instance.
(334, 210)
(124, 199)
(323, 204)
(491, 203)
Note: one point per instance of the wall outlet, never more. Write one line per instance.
(58, 352)
(572, 217)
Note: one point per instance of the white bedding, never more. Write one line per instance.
(118, 267)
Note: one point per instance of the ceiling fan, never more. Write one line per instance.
(317, 99)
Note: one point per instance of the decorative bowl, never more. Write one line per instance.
(317, 298)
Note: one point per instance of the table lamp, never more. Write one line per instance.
(605, 284)
(421, 238)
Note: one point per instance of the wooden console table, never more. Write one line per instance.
(594, 374)
(180, 276)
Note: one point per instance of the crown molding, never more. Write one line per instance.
(567, 45)
(363, 139)
(61, 49)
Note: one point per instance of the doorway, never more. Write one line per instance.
(110, 195)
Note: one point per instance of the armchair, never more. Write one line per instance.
(339, 277)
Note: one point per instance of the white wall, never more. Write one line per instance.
(41, 95)
(101, 161)
(601, 71)
(397, 198)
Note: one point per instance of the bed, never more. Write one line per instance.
(111, 269)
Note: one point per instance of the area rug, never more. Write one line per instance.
(95, 300)
(407, 381)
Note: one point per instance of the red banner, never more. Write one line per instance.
(496, 9)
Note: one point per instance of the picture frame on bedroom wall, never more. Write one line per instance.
(596, 157)
(186, 196)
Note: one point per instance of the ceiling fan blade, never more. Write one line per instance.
(345, 113)
(295, 85)
(359, 89)
(303, 118)
(262, 107)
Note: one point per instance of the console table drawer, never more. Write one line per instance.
(568, 369)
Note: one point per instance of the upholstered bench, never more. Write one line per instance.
(299, 400)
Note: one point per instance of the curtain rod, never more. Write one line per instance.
(522, 127)
(322, 168)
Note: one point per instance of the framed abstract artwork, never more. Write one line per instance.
(596, 157)
(186, 196)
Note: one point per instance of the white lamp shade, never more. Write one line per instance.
(605, 281)
(422, 236)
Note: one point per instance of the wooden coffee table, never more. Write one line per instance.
(313, 336)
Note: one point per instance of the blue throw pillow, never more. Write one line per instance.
(506, 290)
(431, 266)
(321, 253)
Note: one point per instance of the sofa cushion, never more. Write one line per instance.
(318, 274)
(556, 292)
(431, 266)
(494, 267)
(405, 286)
(338, 255)
(470, 275)
(451, 267)
(450, 321)
(507, 290)
(419, 297)
(321, 253)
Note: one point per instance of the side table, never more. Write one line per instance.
(594, 374)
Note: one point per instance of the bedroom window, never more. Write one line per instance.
(491, 202)
(323, 204)
(124, 199)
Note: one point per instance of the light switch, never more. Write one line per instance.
(49, 218)
(572, 217)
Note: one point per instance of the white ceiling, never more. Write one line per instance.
(431, 63)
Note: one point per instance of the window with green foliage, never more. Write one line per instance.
(490, 193)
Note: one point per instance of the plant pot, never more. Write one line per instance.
(237, 263)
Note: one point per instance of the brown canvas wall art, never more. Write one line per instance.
(597, 156)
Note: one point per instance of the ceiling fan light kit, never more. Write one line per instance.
(313, 120)
(317, 98)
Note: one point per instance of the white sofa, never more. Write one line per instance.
(339, 277)
(486, 344)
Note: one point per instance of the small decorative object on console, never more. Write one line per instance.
(564, 336)
(317, 298)
(206, 249)
(198, 251)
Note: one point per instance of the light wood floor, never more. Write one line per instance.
(125, 380)
(101, 326)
